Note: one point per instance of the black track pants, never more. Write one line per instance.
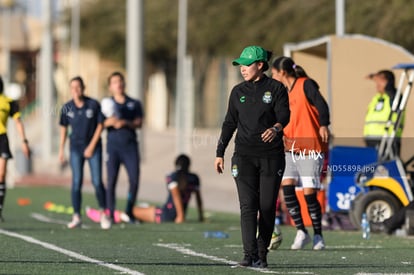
(258, 181)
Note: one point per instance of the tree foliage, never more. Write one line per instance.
(103, 28)
(389, 20)
(224, 27)
(217, 27)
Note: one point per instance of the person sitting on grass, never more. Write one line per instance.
(181, 185)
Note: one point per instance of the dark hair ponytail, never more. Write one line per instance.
(266, 62)
(288, 65)
(300, 72)
(269, 55)
(390, 86)
(182, 165)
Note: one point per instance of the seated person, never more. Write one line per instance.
(181, 185)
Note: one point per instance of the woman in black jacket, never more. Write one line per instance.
(259, 109)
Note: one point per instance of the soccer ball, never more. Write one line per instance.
(14, 91)
(108, 107)
(276, 241)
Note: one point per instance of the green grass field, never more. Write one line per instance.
(31, 246)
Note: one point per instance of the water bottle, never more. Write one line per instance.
(277, 230)
(216, 234)
(366, 229)
(278, 220)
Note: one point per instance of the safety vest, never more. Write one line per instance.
(301, 135)
(377, 115)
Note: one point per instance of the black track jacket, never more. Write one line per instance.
(254, 107)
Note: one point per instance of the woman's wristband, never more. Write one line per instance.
(277, 129)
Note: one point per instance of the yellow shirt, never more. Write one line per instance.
(376, 118)
(8, 108)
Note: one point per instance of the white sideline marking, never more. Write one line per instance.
(233, 245)
(354, 246)
(69, 253)
(187, 251)
(43, 218)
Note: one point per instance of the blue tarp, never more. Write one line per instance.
(344, 163)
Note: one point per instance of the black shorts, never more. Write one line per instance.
(5, 152)
(165, 214)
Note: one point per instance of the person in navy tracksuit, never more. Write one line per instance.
(122, 143)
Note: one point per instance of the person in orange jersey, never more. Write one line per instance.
(306, 141)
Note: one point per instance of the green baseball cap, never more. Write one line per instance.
(250, 55)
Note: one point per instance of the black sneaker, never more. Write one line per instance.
(247, 261)
(250, 261)
(259, 263)
(263, 260)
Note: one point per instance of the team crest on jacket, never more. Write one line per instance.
(70, 114)
(130, 105)
(89, 113)
(267, 97)
(234, 171)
